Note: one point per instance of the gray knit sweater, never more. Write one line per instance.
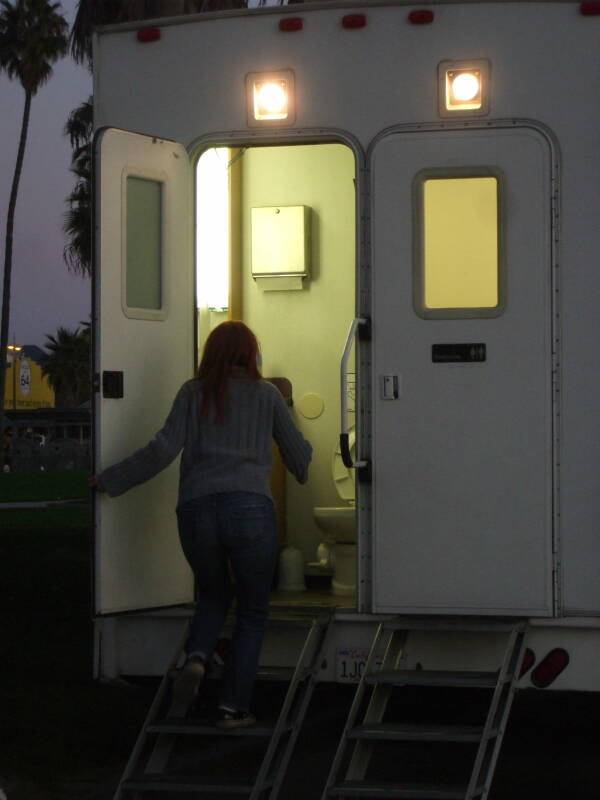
(231, 456)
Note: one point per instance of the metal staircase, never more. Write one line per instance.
(366, 730)
(151, 767)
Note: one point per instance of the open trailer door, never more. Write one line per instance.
(144, 351)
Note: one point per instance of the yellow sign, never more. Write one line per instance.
(26, 387)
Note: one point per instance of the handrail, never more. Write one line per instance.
(344, 441)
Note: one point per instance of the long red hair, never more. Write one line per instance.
(230, 344)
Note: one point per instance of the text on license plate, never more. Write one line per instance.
(350, 663)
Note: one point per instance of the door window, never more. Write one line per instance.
(458, 238)
(142, 287)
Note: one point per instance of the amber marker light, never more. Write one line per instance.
(464, 88)
(270, 98)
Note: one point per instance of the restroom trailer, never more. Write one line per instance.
(406, 214)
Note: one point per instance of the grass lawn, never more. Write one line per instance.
(63, 734)
(39, 486)
(22, 486)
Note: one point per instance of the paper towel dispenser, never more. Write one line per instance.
(280, 246)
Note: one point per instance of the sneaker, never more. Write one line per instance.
(229, 719)
(187, 682)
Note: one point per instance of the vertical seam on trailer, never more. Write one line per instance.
(364, 381)
(556, 364)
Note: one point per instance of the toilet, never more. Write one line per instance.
(338, 523)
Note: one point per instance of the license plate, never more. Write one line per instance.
(350, 663)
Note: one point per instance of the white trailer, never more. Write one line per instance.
(456, 226)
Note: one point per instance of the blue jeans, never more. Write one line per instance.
(240, 529)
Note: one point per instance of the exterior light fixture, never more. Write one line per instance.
(464, 88)
(270, 98)
(14, 352)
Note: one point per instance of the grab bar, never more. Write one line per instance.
(344, 442)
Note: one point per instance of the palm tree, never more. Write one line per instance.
(103, 12)
(33, 36)
(78, 222)
(91, 13)
(79, 127)
(67, 365)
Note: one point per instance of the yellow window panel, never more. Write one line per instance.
(460, 243)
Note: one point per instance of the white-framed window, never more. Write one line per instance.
(143, 246)
(458, 265)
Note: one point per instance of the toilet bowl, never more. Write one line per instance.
(338, 523)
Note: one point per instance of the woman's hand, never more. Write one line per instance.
(95, 482)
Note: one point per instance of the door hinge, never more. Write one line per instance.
(365, 474)
(364, 330)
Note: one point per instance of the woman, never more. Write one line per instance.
(224, 420)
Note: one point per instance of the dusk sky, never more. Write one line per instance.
(44, 293)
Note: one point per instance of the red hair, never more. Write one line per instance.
(230, 344)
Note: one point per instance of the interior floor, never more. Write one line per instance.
(311, 599)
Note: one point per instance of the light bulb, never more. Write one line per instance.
(465, 87)
(272, 97)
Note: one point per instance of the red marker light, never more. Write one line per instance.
(590, 9)
(528, 662)
(421, 17)
(354, 21)
(550, 668)
(291, 24)
(148, 35)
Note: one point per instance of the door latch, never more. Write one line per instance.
(390, 387)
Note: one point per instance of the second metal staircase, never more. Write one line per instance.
(375, 721)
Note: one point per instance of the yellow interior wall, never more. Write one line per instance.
(40, 395)
(302, 332)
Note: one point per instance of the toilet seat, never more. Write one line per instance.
(339, 523)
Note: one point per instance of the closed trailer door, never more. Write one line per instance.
(144, 306)
(463, 424)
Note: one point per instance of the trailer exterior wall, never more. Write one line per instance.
(545, 67)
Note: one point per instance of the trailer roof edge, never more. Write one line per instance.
(300, 8)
